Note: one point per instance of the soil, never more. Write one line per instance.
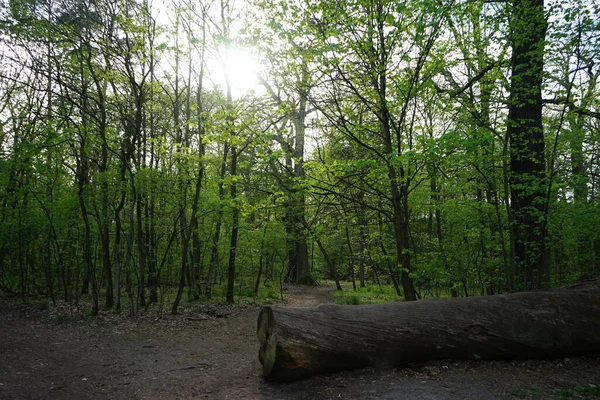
(212, 352)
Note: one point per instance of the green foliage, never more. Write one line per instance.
(366, 295)
(104, 119)
(43, 305)
(352, 300)
(579, 392)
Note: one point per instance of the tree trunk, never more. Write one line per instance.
(117, 244)
(299, 342)
(214, 254)
(303, 274)
(262, 253)
(350, 258)
(399, 198)
(526, 137)
(184, 258)
(141, 250)
(299, 270)
(234, 228)
(331, 267)
(230, 120)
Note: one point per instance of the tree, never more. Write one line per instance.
(364, 44)
(288, 85)
(391, 142)
(527, 146)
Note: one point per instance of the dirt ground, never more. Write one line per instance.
(212, 353)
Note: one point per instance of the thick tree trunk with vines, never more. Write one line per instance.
(526, 138)
(296, 343)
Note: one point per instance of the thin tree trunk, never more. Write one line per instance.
(117, 255)
(262, 253)
(350, 257)
(331, 267)
(234, 228)
(214, 254)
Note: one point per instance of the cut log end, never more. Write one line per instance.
(296, 360)
(268, 341)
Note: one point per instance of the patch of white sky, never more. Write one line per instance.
(240, 62)
(573, 37)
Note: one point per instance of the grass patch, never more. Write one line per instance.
(243, 296)
(366, 295)
(344, 299)
(579, 392)
(266, 295)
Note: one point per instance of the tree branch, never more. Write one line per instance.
(573, 107)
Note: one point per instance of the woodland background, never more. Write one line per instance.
(441, 148)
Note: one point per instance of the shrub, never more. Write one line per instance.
(43, 305)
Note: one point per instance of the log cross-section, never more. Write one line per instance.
(296, 343)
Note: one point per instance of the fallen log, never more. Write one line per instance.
(296, 343)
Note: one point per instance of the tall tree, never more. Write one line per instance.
(285, 46)
(526, 137)
(364, 43)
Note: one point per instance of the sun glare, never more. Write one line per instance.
(242, 67)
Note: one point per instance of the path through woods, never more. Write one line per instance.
(212, 353)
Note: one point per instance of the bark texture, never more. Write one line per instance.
(525, 131)
(296, 343)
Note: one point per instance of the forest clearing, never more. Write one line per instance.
(214, 355)
(169, 167)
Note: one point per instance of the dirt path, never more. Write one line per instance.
(307, 296)
(212, 353)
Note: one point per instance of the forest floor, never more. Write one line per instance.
(212, 353)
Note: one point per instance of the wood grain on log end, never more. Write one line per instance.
(287, 354)
(266, 335)
(279, 364)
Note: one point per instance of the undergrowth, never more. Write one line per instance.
(365, 295)
(79, 308)
(579, 392)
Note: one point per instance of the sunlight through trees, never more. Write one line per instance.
(152, 154)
